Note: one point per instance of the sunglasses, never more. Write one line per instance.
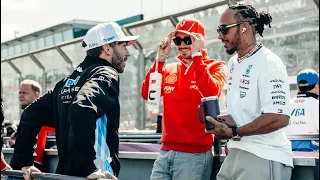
(224, 28)
(187, 40)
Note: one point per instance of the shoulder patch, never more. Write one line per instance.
(106, 71)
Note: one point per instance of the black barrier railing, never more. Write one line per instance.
(158, 136)
(41, 176)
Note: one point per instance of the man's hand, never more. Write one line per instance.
(227, 119)
(27, 172)
(197, 42)
(164, 47)
(101, 174)
(7, 166)
(221, 130)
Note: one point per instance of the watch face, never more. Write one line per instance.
(236, 138)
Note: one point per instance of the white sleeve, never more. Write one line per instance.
(315, 115)
(274, 92)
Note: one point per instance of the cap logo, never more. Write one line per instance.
(93, 45)
(182, 23)
(109, 39)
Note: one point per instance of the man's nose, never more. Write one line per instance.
(127, 52)
(221, 36)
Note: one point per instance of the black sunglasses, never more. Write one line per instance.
(187, 40)
(223, 28)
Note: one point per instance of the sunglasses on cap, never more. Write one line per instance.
(223, 28)
(187, 40)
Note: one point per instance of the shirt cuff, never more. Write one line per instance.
(196, 54)
(159, 59)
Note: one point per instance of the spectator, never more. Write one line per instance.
(9, 131)
(258, 101)
(184, 83)
(305, 111)
(29, 91)
(4, 165)
(10, 128)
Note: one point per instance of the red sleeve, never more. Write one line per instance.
(41, 143)
(145, 83)
(210, 77)
(3, 163)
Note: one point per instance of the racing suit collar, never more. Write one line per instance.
(307, 94)
(90, 60)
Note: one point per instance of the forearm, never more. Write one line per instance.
(210, 78)
(266, 123)
(3, 163)
(23, 152)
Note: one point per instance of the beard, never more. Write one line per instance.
(185, 55)
(235, 43)
(117, 61)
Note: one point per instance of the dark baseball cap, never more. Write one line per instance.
(307, 77)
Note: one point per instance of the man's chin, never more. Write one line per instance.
(230, 51)
(120, 69)
(185, 56)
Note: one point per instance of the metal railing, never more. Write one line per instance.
(155, 137)
(42, 176)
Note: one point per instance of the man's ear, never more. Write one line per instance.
(107, 49)
(37, 95)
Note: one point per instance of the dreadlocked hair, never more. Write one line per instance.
(248, 12)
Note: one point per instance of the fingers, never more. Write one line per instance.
(109, 175)
(112, 177)
(27, 172)
(170, 37)
(213, 121)
(223, 115)
(34, 169)
(8, 167)
(162, 44)
(27, 175)
(197, 36)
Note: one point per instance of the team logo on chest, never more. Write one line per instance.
(248, 69)
(171, 78)
(246, 74)
(232, 68)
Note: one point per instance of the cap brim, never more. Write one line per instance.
(183, 31)
(130, 39)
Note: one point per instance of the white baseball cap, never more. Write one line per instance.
(106, 33)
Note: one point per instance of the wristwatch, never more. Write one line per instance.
(235, 135)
